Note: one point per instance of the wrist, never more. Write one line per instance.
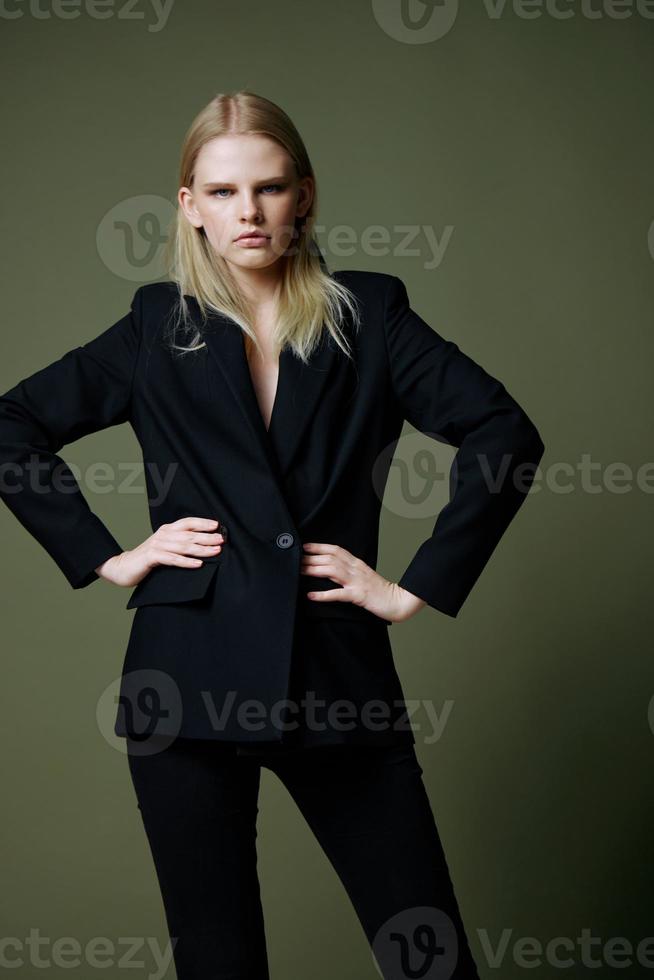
(101, 570)
(406, 603)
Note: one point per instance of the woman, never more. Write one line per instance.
(268, 396)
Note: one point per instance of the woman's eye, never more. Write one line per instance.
(222, 192)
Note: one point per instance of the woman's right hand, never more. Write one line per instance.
(183, 543)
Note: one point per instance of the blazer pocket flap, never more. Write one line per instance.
(172, 583)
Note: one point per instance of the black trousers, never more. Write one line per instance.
(367, 807)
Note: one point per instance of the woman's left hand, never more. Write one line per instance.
(360, 584)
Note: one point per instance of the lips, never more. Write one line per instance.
(251, 234)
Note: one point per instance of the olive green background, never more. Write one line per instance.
(530, 139)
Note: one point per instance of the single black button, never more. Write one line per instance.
(285, 540)
(223, 530)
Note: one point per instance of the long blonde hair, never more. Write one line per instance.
(309, 299)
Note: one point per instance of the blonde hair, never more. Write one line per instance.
(309, 297)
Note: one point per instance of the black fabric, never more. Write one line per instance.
(369, 811)
(227, 629)
(344, 688)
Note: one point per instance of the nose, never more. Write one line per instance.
(251, 211)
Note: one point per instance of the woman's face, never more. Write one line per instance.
(246, 183)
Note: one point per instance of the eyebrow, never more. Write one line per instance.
(226, 183)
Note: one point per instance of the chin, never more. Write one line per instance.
(253, 261)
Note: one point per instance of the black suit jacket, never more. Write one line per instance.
(227, 632)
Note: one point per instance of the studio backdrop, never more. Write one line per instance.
(498, 159)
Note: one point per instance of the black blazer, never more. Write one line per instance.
(224, 632)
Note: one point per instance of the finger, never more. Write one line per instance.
(333, 574)
(172, 558)
(195, 524)
(318, 560)
(317, 546)
(190, 548)
(182, 544)
(199, 537)
(327, 565)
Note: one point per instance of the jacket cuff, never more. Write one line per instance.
(423, 580)
(91, 546)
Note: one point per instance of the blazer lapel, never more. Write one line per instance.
(299, 387)
(299, 391)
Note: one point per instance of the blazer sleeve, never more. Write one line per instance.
(87, 389)
(446, 395)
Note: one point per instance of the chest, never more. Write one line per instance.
(264, 374)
